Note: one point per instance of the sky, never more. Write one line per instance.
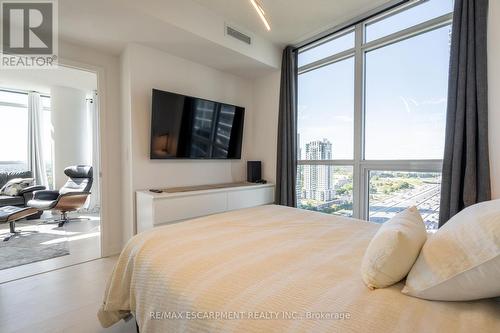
(405, 92)
(14, 129)
(15, 136)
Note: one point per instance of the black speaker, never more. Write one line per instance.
(254, 173)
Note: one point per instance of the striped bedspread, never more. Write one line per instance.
(269, 269)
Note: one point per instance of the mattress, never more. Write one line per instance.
(269, 269)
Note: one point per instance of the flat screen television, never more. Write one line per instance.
(185, 127)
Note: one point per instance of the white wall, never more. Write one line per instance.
(265, 129)
(128, 197)
(199, 20)
(494, 94)
(145, 68)
(72, 144)
(108, 70)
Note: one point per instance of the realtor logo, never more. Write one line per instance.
(29, 34)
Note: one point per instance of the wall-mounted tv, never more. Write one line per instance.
(185, 127)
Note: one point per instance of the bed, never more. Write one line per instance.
(269, 269)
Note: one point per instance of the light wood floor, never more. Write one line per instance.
(64, 300)
(83, 239)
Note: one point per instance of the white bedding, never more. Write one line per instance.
(270, 269)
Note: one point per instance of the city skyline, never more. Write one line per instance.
(328, 188)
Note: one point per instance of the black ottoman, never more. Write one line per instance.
(11, 214)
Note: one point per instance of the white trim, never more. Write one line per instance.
(21, 91)
(325, 162)
(359, 105)
(327, 61)
(396, 10)
(322, 41)
(14, 105)
(349, 23)
(416, 30)
(403, 165)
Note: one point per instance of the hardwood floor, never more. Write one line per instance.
(64, 300)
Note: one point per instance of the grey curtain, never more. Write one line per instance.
(466, 173)
(286, 170)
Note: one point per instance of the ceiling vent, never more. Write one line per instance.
(230, 31)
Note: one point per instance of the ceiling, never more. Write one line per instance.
(291, 20)
(194, 29)
(42, 80)
(180, 27)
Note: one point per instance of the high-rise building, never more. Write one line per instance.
(300, 172)
(318, 179)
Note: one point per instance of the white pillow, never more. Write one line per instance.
(16, 185)
(394, 249)
(461, 261)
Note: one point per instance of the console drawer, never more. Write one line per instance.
(182, 208)
(250, 198)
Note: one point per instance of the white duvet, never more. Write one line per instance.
(270, 269)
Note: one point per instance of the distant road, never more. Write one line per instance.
(425, 197)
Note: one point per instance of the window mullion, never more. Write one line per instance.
(13, 105)
(358, 122)
(325, 162)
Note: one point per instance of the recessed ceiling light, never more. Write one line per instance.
(260, 10)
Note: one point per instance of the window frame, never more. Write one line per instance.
(17, 106)
(361, 166)
(25, 106)
(14, 105)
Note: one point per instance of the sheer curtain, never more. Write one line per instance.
(35, 146)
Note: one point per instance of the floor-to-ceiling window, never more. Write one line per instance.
(14, 108)
(371, 114)
(14, 129)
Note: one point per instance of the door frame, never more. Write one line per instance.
(105, 190)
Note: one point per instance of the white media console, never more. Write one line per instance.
(179, 204)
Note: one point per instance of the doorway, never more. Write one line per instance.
(52, 117)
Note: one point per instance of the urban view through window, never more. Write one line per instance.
(400, 126)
